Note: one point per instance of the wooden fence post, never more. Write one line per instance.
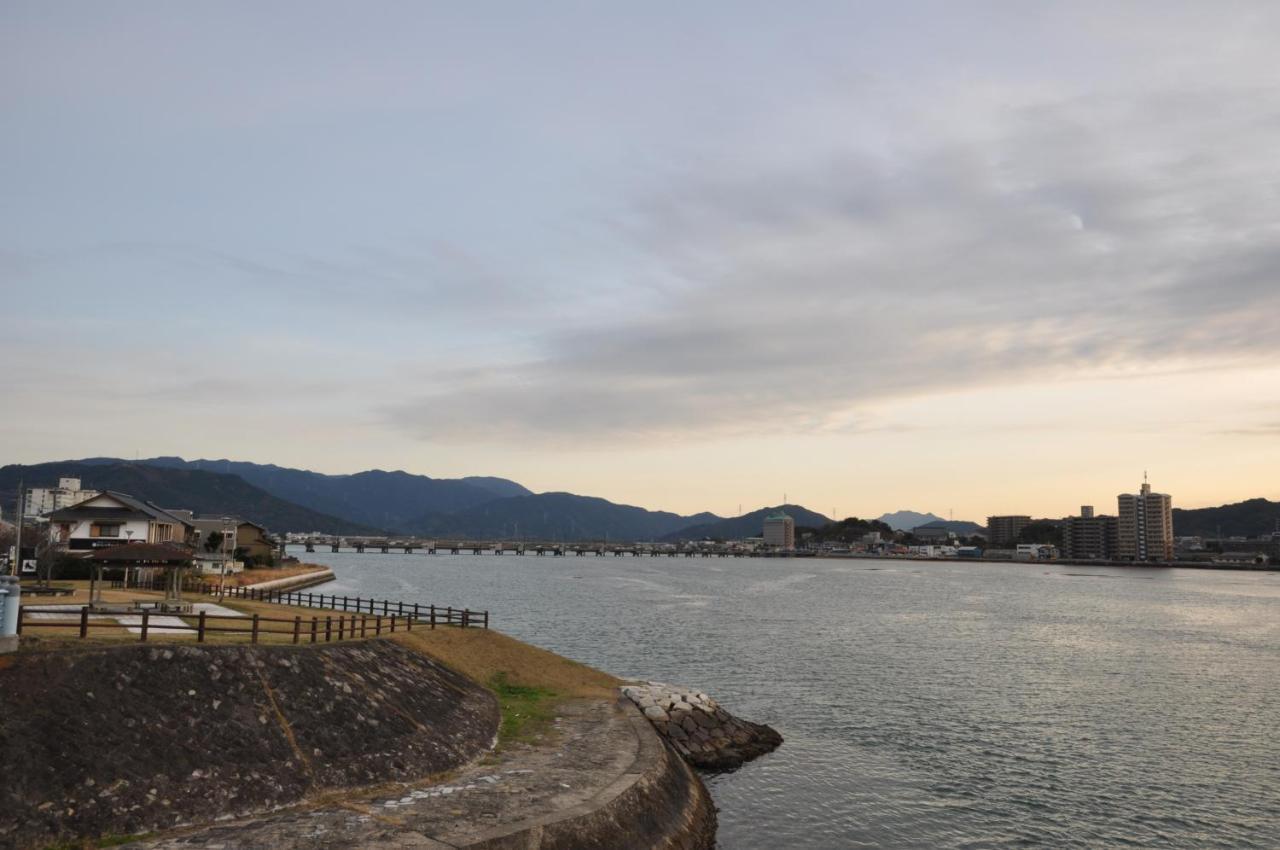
(297, 627)
(255, 628)
(146, 615)
(200, 628)
(466, 617)
(84, 621)
(342, 627)
(377, 626)
(393, 624)
(433, 616)
(314, 624)
(448, 618)
(386, 606)
(486, 619)
(328, 629)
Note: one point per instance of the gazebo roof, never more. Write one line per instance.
(136, 554)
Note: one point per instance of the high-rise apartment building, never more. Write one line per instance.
(1090, 537)
(1004, 530)
(780, 531)
(44, 500)
(1146, 525)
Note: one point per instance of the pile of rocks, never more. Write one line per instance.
(695, 725)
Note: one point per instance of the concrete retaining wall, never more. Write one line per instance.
(144, 738)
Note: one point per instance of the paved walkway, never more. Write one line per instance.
(592, 748)
(157, 624)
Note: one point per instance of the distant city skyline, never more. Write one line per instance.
(681, 258)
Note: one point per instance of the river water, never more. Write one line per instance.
(923, 704)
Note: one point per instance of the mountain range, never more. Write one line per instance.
(204, 492)
(397, 502)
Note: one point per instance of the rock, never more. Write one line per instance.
(698, 729)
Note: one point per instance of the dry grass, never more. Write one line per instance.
(529, 682)
(484, 654)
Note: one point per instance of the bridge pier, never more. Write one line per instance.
(333, 547)
(311, 547)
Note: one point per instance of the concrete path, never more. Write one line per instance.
(157, 624)
(592, 754)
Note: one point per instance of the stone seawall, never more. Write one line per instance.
(137, 739)
(698, 728)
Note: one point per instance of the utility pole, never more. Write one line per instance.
(15, 566)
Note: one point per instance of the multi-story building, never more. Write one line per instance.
(46, 500)
(1090, 537)
(1145, 525)
(780, 531)
(1004, 530)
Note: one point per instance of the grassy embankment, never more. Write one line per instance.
(528, 681)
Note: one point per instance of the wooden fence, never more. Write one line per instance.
(299, 629)
(429, 614)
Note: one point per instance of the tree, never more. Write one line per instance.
(1041, 531)
(213, 542)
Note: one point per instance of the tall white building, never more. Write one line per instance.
(780, 531)
(45, 500)
(1146, 525)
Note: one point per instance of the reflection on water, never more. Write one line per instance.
(925, 704)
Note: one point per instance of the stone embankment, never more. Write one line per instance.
(695, 725)
(136, 739)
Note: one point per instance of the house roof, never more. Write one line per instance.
(143, 553)
(207, 524)
(136, 508)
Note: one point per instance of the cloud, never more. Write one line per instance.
(1116, 234)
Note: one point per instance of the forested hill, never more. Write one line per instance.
(557, 516)
(190, 489)
(747, 525)
(376, 498)
(1250, 518)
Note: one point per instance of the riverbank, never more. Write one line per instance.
(331, 733)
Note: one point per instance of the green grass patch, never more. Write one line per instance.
(526, 711)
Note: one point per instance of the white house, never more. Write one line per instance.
(110, 518)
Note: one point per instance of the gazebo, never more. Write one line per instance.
(172, 559)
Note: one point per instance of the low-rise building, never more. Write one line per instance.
(109, 518)
(932, 533)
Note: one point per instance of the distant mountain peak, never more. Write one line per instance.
(907, 520)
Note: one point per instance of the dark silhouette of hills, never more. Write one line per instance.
(1250, 518)
(192, 489)
(557, 516)
(747, 525)
(375, 498)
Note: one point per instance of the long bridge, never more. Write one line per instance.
(410, 545)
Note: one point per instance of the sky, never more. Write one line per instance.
(962, 257)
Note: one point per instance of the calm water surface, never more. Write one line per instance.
(928, 704)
